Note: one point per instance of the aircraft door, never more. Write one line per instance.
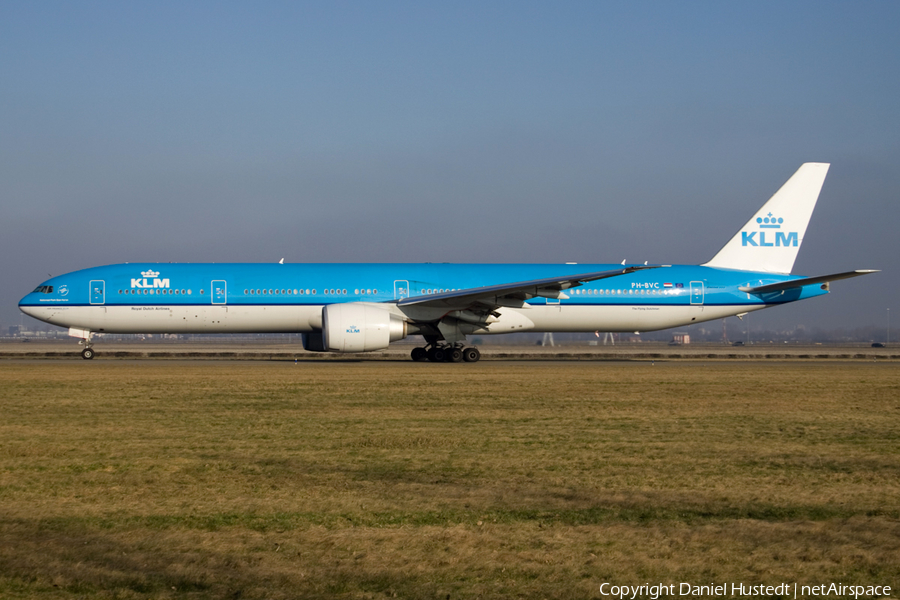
(98, 292)
(696, 292)
(401, 289)
(219, 293)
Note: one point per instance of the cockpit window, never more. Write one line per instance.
(43, 289)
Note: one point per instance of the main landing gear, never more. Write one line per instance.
(453, 354)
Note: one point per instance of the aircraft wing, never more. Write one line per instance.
(798, 283)
(514, 294)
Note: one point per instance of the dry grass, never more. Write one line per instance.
(357, 480)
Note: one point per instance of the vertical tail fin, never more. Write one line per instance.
(769, 242)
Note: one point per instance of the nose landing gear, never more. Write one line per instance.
(88, 352)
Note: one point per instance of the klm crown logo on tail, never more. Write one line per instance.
(769, 222)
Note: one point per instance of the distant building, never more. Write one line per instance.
(680, 338)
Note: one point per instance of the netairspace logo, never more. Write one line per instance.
(738, 590)
(769, 222)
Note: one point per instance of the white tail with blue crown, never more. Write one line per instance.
(769, 242)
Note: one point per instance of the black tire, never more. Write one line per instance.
(471, 354)
(454, 355)
(437, 355)
(419, 354)
(87, 353)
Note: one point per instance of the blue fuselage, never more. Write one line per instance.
(86, 298)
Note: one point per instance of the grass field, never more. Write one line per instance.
(179, 479)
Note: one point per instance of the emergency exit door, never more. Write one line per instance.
(219, 293)
(401, 289)
(696, 292)
(98, 292)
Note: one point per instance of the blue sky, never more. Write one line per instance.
(483, 132)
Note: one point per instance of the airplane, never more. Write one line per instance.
(364, 307)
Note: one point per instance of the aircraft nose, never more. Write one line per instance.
(25, 306)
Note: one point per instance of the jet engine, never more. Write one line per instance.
(357, 327)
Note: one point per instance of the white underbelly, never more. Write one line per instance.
(182, 319)
(626, 318)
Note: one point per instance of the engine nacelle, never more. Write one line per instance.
(357, 327)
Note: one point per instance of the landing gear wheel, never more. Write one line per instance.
(87, 353)
(454, 355)
(437, 354)
(471, 354)
(419, 354)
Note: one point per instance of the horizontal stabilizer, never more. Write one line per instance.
(799, 283)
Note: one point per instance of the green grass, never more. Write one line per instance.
(148, 479)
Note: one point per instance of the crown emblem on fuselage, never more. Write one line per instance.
(150, 273)
(769, 222)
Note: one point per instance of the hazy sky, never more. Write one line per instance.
(446, 132)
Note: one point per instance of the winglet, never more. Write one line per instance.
(769, 242)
